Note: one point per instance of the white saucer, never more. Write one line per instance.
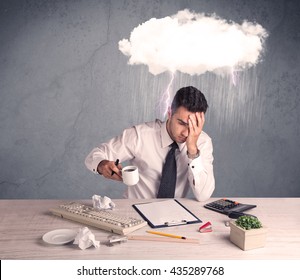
(60, 236)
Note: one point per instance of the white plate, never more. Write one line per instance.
(60, 236)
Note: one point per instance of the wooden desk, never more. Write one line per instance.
(23, 223)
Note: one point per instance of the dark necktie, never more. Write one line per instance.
(169, 174)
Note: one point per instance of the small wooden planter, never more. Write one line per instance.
(247, 239)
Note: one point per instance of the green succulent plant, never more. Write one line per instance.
(248, 222)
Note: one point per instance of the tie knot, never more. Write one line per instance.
(174, 146)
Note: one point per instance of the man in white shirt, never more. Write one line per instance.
(146, 146)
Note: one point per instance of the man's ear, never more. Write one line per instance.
(169, 112)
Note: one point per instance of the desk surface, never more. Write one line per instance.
(23, 223)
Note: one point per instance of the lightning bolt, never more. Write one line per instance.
(166, 98)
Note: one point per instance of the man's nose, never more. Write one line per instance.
(185, 132)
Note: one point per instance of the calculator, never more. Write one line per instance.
(225, 206)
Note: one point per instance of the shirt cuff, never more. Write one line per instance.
(196, 165)
(94, 167)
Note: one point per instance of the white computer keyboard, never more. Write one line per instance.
(103, 219)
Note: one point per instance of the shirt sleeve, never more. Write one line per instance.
(200, 172)
(121, 147)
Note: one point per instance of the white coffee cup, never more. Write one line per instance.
(130, 175)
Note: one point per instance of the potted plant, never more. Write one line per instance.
(247, 232)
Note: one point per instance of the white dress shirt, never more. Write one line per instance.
(146, 146)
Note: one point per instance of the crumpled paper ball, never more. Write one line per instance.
(85, 239)
(102, 202)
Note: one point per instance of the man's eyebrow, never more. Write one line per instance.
(183, 122)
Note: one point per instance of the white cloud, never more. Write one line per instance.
(194, 43)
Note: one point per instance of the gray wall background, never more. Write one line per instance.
(65, 87)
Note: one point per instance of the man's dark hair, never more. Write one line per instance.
(190, 98)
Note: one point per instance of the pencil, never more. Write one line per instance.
(161, 239)
(116, 164)
(166, 234)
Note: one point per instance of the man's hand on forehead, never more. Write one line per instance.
(196, 123)
(197, 119)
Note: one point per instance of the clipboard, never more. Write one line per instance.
(166, 213)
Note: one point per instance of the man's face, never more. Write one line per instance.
(177, 124)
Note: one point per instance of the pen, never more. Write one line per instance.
(166, 234)
(116, 164)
